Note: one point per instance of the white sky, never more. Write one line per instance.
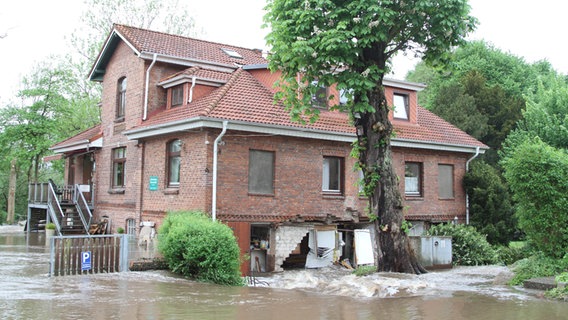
(37, 28)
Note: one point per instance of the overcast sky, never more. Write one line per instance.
(37, 28)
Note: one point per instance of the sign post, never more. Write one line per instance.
(86, 260)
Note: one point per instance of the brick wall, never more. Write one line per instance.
(195, 174)
(297, 181)
(429, 204)
(298, 176)
(120, 204)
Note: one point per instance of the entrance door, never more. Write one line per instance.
(242, 233)
(87, 179)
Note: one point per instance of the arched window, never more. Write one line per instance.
(173, 162)
(121, 98)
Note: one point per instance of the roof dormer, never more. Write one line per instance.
(403, 96)
(191, 84)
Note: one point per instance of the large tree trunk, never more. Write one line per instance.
(374, 136)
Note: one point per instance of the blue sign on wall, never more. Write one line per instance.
(153, 183)
(86, 260)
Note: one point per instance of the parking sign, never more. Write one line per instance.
(86, 260)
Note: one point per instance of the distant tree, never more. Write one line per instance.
(485, 112)
(349, 44)
(491, 209)
(168, 16)
(48, 111)
(546, 116)
(454, 105)
(536, 166)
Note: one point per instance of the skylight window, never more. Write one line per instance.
(232, 53)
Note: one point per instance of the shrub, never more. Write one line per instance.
(3, 215)
(120, 230)
(511, 254)
(197, 247)
(536, 173)
(469, 247)
(50, 226)
(538, 265)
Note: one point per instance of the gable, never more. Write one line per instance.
(174, 49)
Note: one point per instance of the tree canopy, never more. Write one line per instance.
(349, 44)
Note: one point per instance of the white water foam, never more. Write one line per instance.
(341, 282)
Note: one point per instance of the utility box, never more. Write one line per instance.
(434, 252)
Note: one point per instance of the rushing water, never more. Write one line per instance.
(27, 292)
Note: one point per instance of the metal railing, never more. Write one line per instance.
(82, 208)
(88, 254)
(54, 208)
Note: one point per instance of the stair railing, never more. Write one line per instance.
(82, 208)
(54, 208)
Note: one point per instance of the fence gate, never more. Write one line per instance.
(88, 254)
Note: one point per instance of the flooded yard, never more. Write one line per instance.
(27, 292)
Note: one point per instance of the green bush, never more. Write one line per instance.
(511, 254)
(3, 215)
(469, 247)
(197, 247)
(536, 266)
(536, 173)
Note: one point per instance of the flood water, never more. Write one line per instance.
(27, 292)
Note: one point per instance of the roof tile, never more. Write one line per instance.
(188, 48)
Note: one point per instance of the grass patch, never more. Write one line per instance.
(364, 270)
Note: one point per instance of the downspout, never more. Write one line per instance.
(466, 195)
(142, 146)
(145, 116)
(215, 151)
(191, 89)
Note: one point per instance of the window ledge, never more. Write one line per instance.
(119, 120)
(261, 194)
(447, 199)
(116, 191)
(171, 191)
(414, 198)
(326, 195)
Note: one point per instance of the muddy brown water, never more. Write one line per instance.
(27, 292)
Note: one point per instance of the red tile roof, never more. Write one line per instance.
(246, 100)
(201, 73)
(86, 136)
(187, 48)
(431, 128)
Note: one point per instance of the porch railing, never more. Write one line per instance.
(37, 193)
(54, 208)
(82, 207)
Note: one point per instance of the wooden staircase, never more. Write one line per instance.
(68, 210)
(71, 223)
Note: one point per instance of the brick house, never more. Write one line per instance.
(191, 124)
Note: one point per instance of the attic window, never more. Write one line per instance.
(232, 53)
(400, 106)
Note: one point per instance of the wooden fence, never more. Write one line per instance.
(90, 254)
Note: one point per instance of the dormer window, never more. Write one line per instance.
(177, 95)
(319, 97)
(232, 53)
(400, 102)
(344, 96)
